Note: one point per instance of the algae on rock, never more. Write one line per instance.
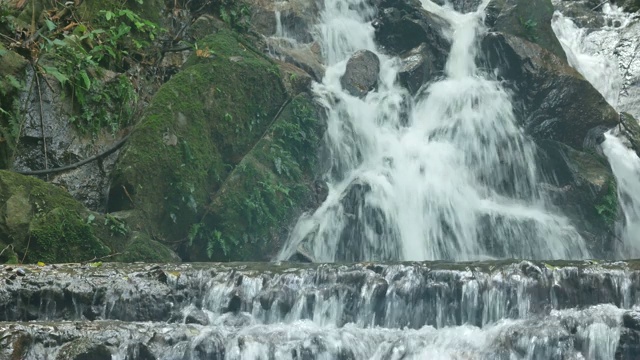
(199, 125)
(44, 223)
(249, 215)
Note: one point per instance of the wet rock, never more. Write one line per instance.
(65, 145)
(84, 349)
(631, 320)
(302, 56)
(197, 316)
(628, 5)
(581, 13)
(235, 303)
(401, 27)
(139, 351)
(417, 69)
(558, 103)
(628, 345)
(526, 19)
(462, 6)
(297, 18)
(362, 218)
(630, 128)
(361, 75)
(584, 186)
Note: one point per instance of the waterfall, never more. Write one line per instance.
(598, 56)
(446, 174)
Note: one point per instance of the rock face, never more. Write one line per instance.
(402, 26)
(585, 191)
(417, 68)
(462, 6)
(557, 102)
(526, 19)
(146, 311)
(361, 75)
(41, 222)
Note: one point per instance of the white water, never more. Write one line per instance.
(457, 180)
(597, 55)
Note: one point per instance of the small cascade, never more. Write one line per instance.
(446, 174)
(488, 310)
(606, 56)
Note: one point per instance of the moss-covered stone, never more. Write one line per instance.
(528, 19)
(44, 222)
(141, 248)
(631, 129)
(268, 189)
(199, 124)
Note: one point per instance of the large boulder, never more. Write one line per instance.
(585, 190)
(557, 102)
(42, 222)
(527, 19)
(84, 349)
(199, 125)
(461, 6)
(269, 188)
(361, 74)
(630, 128)
(402, 26)
(417, 68)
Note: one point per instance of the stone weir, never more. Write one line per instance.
(483, 310)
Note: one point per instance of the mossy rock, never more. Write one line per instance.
(631, 129)
(45, 222)
(199, 125)
(142, 248)
(586, 193)
(528, 19)
(249, 215)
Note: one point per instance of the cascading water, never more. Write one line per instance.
(452, 177)
(607, 57)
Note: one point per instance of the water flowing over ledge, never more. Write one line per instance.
(274, 307)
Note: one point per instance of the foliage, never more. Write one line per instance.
(79, 56)
(83, 57)
(234, 13)
(530, 27)
(608, 207)
(116, 226)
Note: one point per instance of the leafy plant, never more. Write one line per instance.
(234, 13)
(116, 226)
(212, 237)
(77, 54)
(608, 206)
(530, 28)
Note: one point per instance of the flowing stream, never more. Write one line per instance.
(446, 174)
(450, 178)
(606, 56)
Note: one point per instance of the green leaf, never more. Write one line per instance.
(60, 42)
(85, 78)
(109, 15)
(96, 264)
(56, 73)
(50, 25)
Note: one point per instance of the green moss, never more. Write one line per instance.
(266, 190)
(142, 248)
(64, 236)
(200, 123)
(45, 222)
(529, 19)
(607, 207)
